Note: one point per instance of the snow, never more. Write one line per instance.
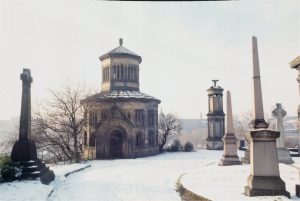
(144, 179)
(35, 190)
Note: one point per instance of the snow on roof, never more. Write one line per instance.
(121, 94)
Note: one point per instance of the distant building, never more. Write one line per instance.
(215, 118)
(120, 121)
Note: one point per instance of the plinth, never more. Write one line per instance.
(230, 151)
(264, 179)
(214, 143)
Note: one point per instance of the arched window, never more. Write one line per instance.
(92, 140)
(85, 138)
(151, 137)
(122, 72)
(133, 74)
(127, 72)
(139, 139)
(114, 72)
(118, 72)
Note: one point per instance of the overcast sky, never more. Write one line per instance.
(184, 45)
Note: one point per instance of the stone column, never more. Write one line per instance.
(24, 152)
(230, 148)
(264, 176)
(24, 149)
(283, 154)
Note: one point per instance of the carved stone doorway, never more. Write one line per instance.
(116, 142)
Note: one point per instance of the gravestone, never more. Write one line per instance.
(24, 152)
(230, 147)
(283, 154)
(264, 179)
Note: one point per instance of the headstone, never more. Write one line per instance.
(242, 144)
(230, 147)
(24, 152)
(264, 179)
(283, 154)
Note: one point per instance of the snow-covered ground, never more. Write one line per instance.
(35, 190)
(144, 179)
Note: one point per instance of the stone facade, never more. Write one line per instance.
(295, 64)
(215, 118)
(120, 121)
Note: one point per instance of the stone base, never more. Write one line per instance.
(34, 169)
(246, 158)
(265, 186)
(284, 156)
(214, 144)
(24, 150)
(230, 160)
(298, 191)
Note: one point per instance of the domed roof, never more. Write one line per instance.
(121, 51)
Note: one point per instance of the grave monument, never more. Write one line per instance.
(215, 117)
(264, 179)
(230, 147)
(24, 152)
(283, 154)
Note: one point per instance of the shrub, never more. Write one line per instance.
(188, 147)
(175, 146)
(8, 173)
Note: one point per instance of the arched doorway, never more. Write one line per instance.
(116, 144)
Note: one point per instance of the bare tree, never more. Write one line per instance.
(169, 125)
(58, 123)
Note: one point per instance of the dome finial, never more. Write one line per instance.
(121, 41)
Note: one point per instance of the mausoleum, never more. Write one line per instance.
(120, 121)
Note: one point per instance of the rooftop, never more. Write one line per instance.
(121, 95)
(121, 51)
(295, 63)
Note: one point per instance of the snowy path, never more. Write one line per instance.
(150, 179)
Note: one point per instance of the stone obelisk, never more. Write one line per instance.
(258, 120)
(264, 179)
(230, 148)
(283, 154)
(24, 152)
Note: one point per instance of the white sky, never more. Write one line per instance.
(184, 45)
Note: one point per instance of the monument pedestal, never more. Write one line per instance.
(230, 151)
(24, 156)
(265, 186)
(246, 158)
(284, 156)
(214, 144)
(264, 178)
